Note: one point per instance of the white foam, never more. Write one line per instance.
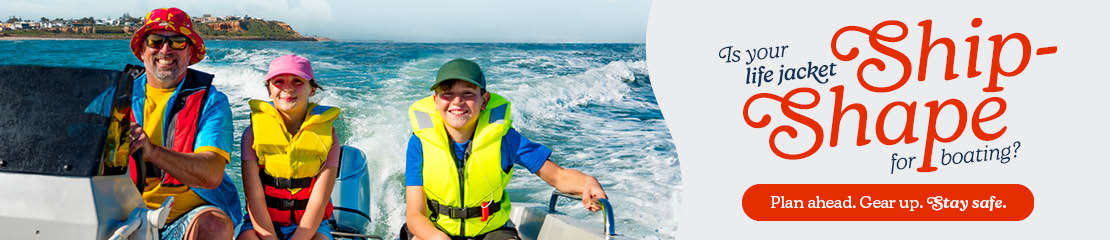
(549, 97)
(620, 152)
(379, 125)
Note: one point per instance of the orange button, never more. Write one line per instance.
(888, 202)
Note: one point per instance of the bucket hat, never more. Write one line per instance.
(170, 19)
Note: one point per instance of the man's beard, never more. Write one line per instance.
(164, 75)
(168, 75)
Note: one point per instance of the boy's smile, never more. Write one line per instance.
(460, 104)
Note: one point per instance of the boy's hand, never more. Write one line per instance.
(590, 193)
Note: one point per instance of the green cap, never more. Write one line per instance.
(460, 69)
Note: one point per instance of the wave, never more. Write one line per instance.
(548, 97)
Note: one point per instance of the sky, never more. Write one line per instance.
(590, 21)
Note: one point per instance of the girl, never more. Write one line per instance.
(290, 157)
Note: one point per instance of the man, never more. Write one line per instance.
(460, 159)
(182, 130)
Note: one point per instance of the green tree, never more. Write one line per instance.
(14, 19)
(44, 19)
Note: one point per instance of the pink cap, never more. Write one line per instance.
(290, 64)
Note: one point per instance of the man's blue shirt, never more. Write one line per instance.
(514, 149)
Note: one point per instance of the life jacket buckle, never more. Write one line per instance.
(457, 213)
(485, 210)
(283, 183)
(287, 204)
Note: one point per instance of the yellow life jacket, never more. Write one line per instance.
(482, 182)
(292, 157)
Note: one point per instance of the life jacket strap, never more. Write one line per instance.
(286, 204)
(463, 213)
(284, 183)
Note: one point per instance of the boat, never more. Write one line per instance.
(63, 167)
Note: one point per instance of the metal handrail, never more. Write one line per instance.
(606, 208)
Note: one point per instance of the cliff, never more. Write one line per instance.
(253, 29)
(227, 26)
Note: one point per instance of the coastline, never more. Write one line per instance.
(11, 38)
(95, 37)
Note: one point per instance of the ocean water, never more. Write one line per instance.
(591, 103)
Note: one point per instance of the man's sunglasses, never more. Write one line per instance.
(176, 42)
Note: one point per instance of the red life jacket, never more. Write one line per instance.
(181, 125)
(284, 207)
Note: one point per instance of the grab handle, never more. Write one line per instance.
(606, 208)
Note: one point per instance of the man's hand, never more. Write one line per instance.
(139, 139)
(201, 169)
